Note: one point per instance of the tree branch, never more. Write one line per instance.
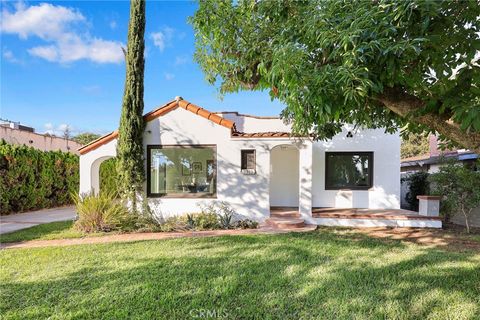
(404, 105)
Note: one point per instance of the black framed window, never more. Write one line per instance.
(248, 163)
(181, 171)
(348, 170)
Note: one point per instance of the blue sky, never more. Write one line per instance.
(61, 63)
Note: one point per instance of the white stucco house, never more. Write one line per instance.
(255, 164)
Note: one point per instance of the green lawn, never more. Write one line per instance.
(322, 274)
(48, 231)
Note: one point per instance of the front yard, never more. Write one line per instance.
(322, 274)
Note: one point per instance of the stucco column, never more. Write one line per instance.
(305, 181)
(86, 183)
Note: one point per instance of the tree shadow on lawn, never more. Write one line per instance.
(290, 276)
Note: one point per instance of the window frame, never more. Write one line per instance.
(371, 159)
(151, 147)
(247, 170)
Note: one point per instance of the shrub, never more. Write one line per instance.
(176, 223)
(102, 213)
(109, 177)
(417, 185)
(460, 188)
(245, 224)
(206, 221)
(32, 179)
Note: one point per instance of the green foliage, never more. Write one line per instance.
(414, 145)
(85, 138)
(209, 219)
(326, 274)
(460, 188)
(205, 221)
(109, 177)
(245, 224)
(32, 179)
(222, 210)
(418, 185)
(130, 164)
(47, 231)
(331, 62)
(192, 221)
(102, 213)
(226, 220)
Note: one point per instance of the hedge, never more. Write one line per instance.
(108, 176)
(32, 179)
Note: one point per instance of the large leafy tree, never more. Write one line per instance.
(392, 64)
(85, 137)
(130, 164)
(414, 145)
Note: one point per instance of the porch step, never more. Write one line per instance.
(284, 214)
(285, 222)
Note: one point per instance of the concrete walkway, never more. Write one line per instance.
(19, 221)
(129, 237)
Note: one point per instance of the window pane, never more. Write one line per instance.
(177, 170)
(348, 170)
(248, 159)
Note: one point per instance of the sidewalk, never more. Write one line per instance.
(19, 221)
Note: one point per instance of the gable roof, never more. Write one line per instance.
(164, 109)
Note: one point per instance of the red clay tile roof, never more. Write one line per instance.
(207, 114)
(159, 112)
(99, 142)
(192, 108)
(261, 134)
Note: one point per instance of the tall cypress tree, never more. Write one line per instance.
(130, 165)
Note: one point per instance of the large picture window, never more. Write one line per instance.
(182, 171)
(348, 170)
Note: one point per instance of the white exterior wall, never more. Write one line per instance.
(386, 171)
(255, 124)
(90, 166)
(249, 195)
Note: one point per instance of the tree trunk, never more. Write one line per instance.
(404, 104)
(130, 153)
(466, 218)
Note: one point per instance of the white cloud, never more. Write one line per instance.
(113, 24)
(179, 60)
(56, 26)
(48, 127)
(59, 130)
(9, 56)
(49, 53)
(46, 21)
(163, 38)
(169, 76)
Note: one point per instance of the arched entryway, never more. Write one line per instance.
(95, 173)
(284, 176)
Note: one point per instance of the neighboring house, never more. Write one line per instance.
(15, 133)
(431, 163)
(195, 156)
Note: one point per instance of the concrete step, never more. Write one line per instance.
(285, 222)
(284, 214)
